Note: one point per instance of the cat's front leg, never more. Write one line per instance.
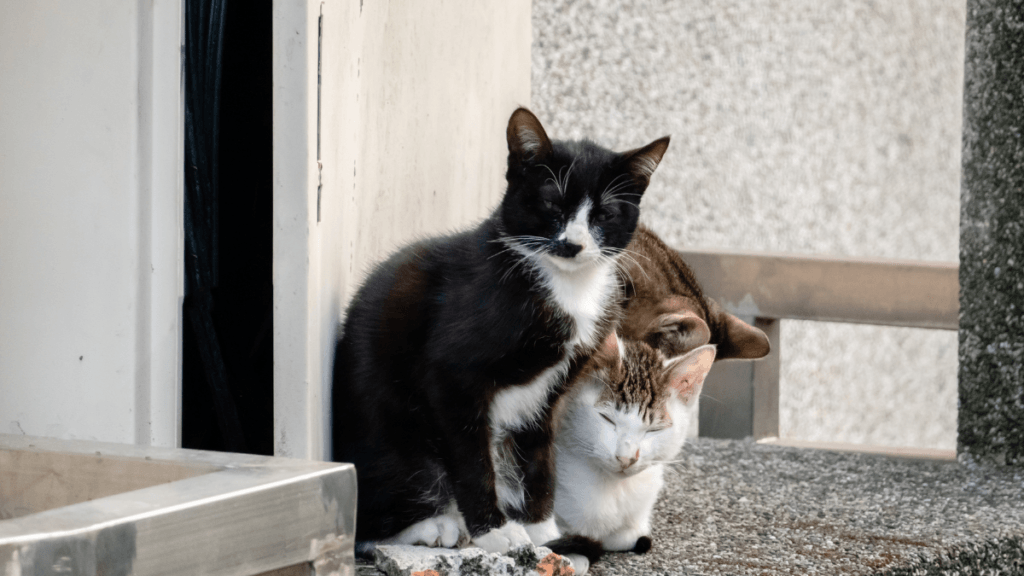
(535, 459)
(465, 447)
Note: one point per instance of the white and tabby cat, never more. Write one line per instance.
(625, 418)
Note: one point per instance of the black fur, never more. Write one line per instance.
(575, 544)
(446, 323)
(643, 545)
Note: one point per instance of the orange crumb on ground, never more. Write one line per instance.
(426, 573)
(551, 565)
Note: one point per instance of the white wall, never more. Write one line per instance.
(415, 100)
(90, 219)
(414, 103)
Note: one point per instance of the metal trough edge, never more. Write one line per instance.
(241, 515)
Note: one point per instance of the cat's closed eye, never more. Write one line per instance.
(606, 215)
(605, 416)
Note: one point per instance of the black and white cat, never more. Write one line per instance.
(625, 418)
(455, 349)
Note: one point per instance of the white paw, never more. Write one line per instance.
(501, 539)
(433, 532)
(448, 529)
(580, 564)
(542, 532)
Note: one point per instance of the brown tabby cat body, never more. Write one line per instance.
(667, 309)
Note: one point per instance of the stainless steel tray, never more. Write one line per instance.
(99, 509)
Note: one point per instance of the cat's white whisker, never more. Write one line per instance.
(565, 182)
(614, 184)
(622, 268)
(612, 188)
(704, 396)
(556, 180)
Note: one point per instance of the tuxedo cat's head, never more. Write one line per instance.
(571, 204)
(635, 407)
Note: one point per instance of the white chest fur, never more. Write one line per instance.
(594, 504)
(583, 295)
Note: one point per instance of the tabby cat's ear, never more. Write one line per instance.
(526, 137)
(676, 333)
(642, 161)
(686, 374)
(742, 340)
(609, 353)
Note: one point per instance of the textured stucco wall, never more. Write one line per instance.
(992, 236)
(822, 127)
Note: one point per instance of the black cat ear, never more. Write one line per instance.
(642, 161)
(526, 137)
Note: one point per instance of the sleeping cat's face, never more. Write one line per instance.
(635, 409)
(571, 204)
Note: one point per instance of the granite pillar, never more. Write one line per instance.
(991, 378)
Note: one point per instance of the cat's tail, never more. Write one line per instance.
(576, 544)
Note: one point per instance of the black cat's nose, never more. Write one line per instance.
(566, 249)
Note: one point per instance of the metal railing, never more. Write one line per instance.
(767, 288)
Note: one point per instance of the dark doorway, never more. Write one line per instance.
(227, 372)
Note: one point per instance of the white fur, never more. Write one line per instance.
(512, 409)
(577, 229)
(542, 532)
(440, 530)
(529, 139)
(581, 287)
(645, 165)
(583, 295)
(502, 538)
(519, 406)
(595, 495)
(580, 564)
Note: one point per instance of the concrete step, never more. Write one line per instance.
(738, 507)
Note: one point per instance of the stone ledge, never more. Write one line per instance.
(737, 507)
(422, 561)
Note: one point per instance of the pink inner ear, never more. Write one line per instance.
(610, 347)
(687, 374)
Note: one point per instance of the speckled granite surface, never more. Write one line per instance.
(991, 421)
(806, 126)
(736, 507)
